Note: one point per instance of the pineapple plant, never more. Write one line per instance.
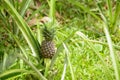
(47, 45)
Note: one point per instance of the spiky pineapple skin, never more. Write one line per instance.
(47, 49)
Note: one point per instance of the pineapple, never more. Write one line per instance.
(47, 45)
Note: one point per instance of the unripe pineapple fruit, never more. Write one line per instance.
(47, 45)
(48, 49)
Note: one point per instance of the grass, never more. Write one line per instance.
(87, 40)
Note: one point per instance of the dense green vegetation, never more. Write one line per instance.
(87, 39)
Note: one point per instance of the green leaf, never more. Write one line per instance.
(12, 73)
(24, 28)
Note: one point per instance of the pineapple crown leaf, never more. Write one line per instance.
(48, 33)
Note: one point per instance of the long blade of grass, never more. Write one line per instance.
(109, 3)
(69, 63)
(112, 54)
(116, 15)
(4, 61)
(101, 12)
(65, 67)
(24, 6)
(52, 11)
(12, 73)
